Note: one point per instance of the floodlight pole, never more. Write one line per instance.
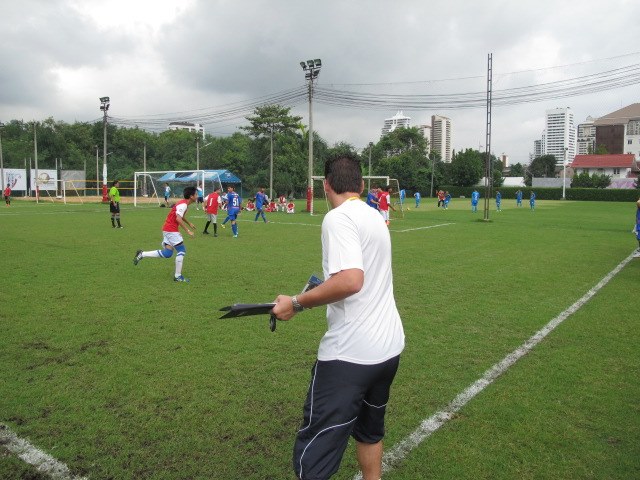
(97, 172)
(564, 173)
(311, 70)
(104, 106)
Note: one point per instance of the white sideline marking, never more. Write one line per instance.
(43, 462)
(438, 419)
(423, 228)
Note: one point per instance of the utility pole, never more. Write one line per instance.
(564, 173)
(2, 184)
(35, 152)
(370, 147)
(271, 167)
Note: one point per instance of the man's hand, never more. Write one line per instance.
(283, 309)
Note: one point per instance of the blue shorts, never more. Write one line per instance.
(233, 213)
(344, 399)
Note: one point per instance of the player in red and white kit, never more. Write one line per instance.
(212, 202)
(7, 195)
(384, 203)
(282, 203)
(171, 237)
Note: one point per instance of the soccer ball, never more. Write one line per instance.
(408, 209)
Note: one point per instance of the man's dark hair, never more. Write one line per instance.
(114, 183)
(343, 174)
(188, 192)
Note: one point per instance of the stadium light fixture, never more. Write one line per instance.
(311, 71)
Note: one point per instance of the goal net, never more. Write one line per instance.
(150, 187)
(321, 203)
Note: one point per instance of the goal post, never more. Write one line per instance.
(149, 187)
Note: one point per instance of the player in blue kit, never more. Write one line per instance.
(417, 197)
(372, 197)
(519, 198)
(261, 201)
(233, 209)
(475, 198)
(532, 200)
(498, 201)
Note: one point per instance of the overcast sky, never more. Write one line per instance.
(161, 56)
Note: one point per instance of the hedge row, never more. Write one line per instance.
(588, 194)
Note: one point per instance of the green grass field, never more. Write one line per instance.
(120, 373)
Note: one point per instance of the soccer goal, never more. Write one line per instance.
(72, 189)
(150, 187)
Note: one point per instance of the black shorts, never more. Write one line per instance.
(114, 207)
(344, 399)
(200, 199)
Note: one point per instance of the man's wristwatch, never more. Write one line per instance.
(296, 305)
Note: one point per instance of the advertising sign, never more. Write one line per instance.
(16, 178)
(47, 179)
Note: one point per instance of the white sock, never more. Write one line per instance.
(179, 260)
(152, 254)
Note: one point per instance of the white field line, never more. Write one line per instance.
(43, 462)
(438, 419)
(422, 228)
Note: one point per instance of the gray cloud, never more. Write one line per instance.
(215, 52)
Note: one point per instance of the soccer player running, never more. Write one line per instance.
(359, 354)
(7, 195)
(114, 204)
(261, 201)
(171, 237)
(475, 198)
(233, 209)
(212, 203)
(417, 197)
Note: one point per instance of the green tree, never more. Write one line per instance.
(601, 150)
(543, 166)
(517, 170)
(401, 154)
(467, 168)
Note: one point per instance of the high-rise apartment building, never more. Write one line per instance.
(425, 131)
(397, 121)
(586, 144)
(560, 134)
(619, 131)
(441, 137)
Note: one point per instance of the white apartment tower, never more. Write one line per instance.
(560, 134)
(586, 144)
(397, 121)
(441, 137)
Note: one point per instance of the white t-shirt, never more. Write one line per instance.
(364, 328)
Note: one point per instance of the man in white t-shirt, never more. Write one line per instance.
(359, 354)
